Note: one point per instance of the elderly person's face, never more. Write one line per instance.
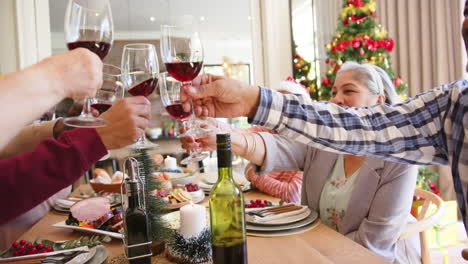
(347, 91)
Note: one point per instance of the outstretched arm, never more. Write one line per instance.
(411, 132)
(26, 94)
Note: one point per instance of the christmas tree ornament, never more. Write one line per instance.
(357, 34)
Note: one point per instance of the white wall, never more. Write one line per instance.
(277, 45)
(238, 50)
(25, 31)
(8, 44)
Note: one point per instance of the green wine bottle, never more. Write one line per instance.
(227, 210)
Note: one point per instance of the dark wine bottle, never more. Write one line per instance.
(136, 221)
(227, 210)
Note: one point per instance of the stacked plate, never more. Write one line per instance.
(283, 224)
(208, 180)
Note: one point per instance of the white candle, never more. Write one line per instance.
(170, 163)
(192, 220)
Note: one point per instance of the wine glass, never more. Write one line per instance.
(88, 24)
(182, 53)
(170, 88)
(111, 90)
(140, 71)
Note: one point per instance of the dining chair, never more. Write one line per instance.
(425, 222)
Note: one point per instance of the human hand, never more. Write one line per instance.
(216, 96)
(204, 142)
(128, 119)
(78, 73)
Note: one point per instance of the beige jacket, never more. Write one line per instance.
(380, 204)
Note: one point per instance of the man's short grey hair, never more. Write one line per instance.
(374, 77)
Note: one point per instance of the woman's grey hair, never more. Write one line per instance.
(374, 77)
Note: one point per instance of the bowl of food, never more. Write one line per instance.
(103, 182)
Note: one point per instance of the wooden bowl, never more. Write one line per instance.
(111, 187)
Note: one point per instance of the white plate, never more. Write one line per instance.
(294, 231)
(285, 220)
(306, 221)
(89, 230)
(28, 257)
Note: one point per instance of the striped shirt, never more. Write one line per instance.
(429, 129)
(285, 185)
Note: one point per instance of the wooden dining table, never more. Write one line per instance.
(318, 245)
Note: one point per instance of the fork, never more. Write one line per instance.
(275, 210)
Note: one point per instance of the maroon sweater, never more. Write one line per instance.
(30, 178)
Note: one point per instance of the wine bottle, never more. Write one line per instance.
(227, 210)
(136, 221)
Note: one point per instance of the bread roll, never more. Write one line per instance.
(101, 172)
(117, 177)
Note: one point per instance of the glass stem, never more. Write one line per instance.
(86, 112)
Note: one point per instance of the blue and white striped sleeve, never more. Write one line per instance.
(411, 132)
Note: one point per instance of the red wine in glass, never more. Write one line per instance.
(101, 107)
(177, 111)
(184, 71)
(144, 88)
(100, 48)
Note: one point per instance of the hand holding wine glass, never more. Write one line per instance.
(88, 24)
(170, 90)
(140, 71)
(182, 53)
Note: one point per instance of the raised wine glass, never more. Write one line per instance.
(88, 24)
(140, 71)
(182, 53)
(170, 88)
(111, 90)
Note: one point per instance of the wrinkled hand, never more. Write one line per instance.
(128, 119)
(78, 73)
(216, 96)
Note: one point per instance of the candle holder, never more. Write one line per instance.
(193, 250)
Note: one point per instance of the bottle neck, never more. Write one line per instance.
(224, 163)
(133, 195)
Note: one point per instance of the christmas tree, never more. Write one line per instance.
(359, 38)
(155, 206)
(301, 72)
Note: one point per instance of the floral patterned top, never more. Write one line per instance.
(336, 194)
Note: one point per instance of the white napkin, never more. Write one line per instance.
(258, 219)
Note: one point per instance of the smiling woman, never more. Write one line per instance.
(360, 85)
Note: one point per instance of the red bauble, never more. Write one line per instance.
(326, 81)
(397, 81)
(356, 44)
(361, 51)
(327, 61)
(297, 65)
(389, 44)
(358, 3)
